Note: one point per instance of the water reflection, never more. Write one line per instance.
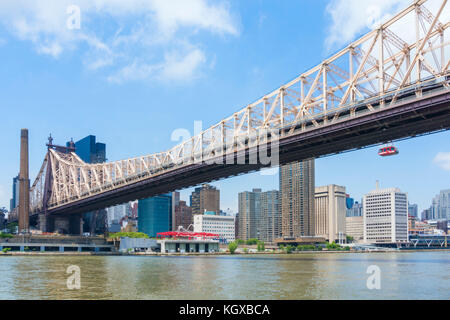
(412, 275)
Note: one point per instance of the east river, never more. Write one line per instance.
(402, 275)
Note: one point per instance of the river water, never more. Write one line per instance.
(403, 275)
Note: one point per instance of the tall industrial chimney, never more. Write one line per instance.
(24, 187)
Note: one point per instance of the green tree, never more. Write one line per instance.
(118, 235)
(261, 246)
(251, 242)
(232, 246)
(6, 235)
(289, 249)
(350, 239)
(12, 227)
(239, 241)
(333, 246)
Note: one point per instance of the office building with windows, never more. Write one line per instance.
(270, 224)
(183, 216)
(250, 214)
(205, 198)
(14, 203)
(221, 225)
(155, 214)
(297, 199)
(385, 216)
(330, 212)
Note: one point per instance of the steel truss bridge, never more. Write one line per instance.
(390, 84)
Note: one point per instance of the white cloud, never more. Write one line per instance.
(132, 37)
(175, 67)
(352, 17)
(442, 159)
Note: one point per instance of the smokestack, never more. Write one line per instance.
(24, 184)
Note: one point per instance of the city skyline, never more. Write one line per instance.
(422, 168)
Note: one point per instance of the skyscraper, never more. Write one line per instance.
(444, 205)
(249, 214)
(356, 210)
(385, 216)
(89, 150)
(205, 198)
(330, 211)
(297, 199)
(14, 203)
(259, 215)
(270, 223)
(413, 210)
(155, 214)
(182, 216)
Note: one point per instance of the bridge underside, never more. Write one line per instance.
(418, 116)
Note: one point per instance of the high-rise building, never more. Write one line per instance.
(221, 225)
(14, 203)
(250, 214)
(443, 205)
(183, 216)
(236, 226)
(155, 214)
(118, 212)
(330, 211)
(426, 214)
(349, 202)
(354, 227)
(356, 210)
(385, 216)
(413, 210)
(440, 207)
(89, 150)
(205, 198)
(270, 223)
(297, 199)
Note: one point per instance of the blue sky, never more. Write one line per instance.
(137, 70)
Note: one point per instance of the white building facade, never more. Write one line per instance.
(330, 212)
(221, 225)
(385, 216)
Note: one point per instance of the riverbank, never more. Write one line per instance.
(157, 254)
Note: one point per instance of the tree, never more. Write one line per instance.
(128, 235)
(333, 246)
(251, 242)
(12, 227)
(232, 246)
(289, 249)
(261, 246)
(350, 239)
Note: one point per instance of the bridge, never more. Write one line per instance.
(392, 83)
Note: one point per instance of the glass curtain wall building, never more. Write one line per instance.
(155, 215)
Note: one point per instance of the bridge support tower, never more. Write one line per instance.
(24, 184)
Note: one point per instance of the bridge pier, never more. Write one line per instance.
(70, 224)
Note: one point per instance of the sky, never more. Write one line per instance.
(131, 72)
